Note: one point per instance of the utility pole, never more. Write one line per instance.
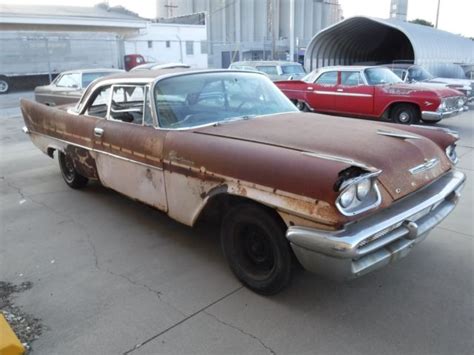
(437, 14)
(292, 30)
(271, 26)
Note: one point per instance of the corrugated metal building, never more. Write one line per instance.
(376, 41)
(255, 29)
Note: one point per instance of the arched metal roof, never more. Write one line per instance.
(377, 41)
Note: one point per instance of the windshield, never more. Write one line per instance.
(381, 76)
(204, 98)
(292, 69)
(418, 74)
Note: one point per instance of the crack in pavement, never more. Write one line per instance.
(137, 346)
(91, 244)
(241, 331)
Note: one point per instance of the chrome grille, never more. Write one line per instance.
(452, 103)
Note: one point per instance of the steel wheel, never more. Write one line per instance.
(405, 114)
(69, 173)
(254, 243)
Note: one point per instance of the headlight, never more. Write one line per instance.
(348, 196)
(442, 105)
(359, 194)
(363, 189)
(461, 102)
(451, 153)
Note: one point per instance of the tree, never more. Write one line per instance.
(420, 21)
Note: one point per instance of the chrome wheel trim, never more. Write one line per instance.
(404, 117)
(3, 86)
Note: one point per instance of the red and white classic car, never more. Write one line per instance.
(372, 92)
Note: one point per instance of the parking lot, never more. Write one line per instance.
(112, 276)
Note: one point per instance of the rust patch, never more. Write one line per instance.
(83, 161)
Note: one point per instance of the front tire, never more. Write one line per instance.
(254, 243)
(405, 114)
(69, 173)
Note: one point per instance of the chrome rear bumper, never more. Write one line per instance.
(380, 239)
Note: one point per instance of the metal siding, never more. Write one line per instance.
(435, 49)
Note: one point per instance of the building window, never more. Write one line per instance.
(189, 47)
(150, 44)
(168, 44)
(203, 47)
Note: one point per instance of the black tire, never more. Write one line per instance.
(254, 244)
(302, 106)
(4, 85)
(405, 114)
(69, 173)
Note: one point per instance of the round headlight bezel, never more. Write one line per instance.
(351, 203)
(452, 154)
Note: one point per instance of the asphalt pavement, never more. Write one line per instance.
(112, 276)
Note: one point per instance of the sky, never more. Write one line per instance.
(456, 16)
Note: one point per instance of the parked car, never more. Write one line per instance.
(132, 60)
(344, 196)
(155, 66)
(275, 70)
(416, 74)
(372, 92)
(68, 86)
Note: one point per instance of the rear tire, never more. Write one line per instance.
(254, 244)
(302, 106)
(4, 85)
(405, 114)
(69, 173)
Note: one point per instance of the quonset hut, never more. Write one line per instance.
(367, 40)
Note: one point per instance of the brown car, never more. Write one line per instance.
(344, 196)
(68, 86)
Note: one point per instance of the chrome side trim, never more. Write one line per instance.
(428, 164)
(339, 93)
(337, 158)
(384, 132)
(99, 151)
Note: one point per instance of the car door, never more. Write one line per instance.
(353, 95)
(321, 95)
(128, 147)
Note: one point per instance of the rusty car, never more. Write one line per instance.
(341, 197)
(69, 86)
(372, 92)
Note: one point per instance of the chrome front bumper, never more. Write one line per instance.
(380, 239)
(439, 115)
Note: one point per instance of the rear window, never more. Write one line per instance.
(268, 69)
(292, 69)
(88, 78)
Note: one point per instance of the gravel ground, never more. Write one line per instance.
(26, 327)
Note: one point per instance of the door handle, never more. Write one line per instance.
(309, 88)
(98, 132)
(340, 90)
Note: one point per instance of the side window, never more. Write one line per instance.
(99, 105)
(268, 69)
(328, 78)
(127, 103)
(351, 78)
(72, 80)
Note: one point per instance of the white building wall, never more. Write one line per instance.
(164, 43)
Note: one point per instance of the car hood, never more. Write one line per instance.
(366, 143)
(451, 81)
(416, 88)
